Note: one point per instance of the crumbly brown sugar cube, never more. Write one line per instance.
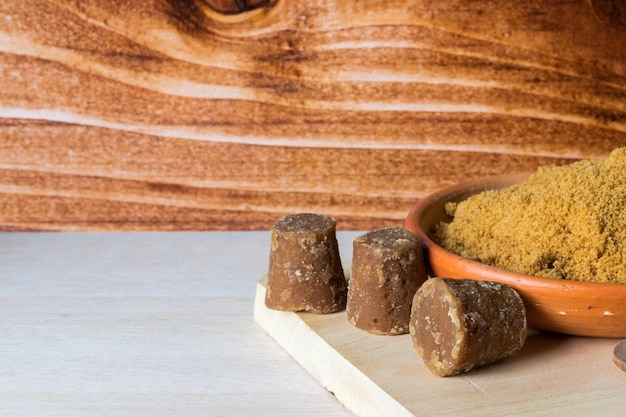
(305, 272)
(387, 269)
(458, 324)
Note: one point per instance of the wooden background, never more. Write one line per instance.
(191, 115)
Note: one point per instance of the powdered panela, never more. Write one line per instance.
(566, 222)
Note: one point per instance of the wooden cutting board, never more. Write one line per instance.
(383, 376)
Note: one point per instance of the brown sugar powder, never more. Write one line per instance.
(564, 222)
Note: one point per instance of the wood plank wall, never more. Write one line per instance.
(188, 115)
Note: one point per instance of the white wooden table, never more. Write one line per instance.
(144, 324)
(161, 324)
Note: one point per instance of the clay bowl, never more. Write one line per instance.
(569, 307)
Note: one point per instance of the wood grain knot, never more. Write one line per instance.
(612, 12)
(237, 6)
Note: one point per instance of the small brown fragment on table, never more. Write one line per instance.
(459, 324)
(619, 355)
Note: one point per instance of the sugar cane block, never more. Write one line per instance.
(305, 272)
(460, 324)
(387, 269)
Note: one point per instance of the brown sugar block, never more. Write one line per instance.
(387, 269)
(305, 272)
(458, 325)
